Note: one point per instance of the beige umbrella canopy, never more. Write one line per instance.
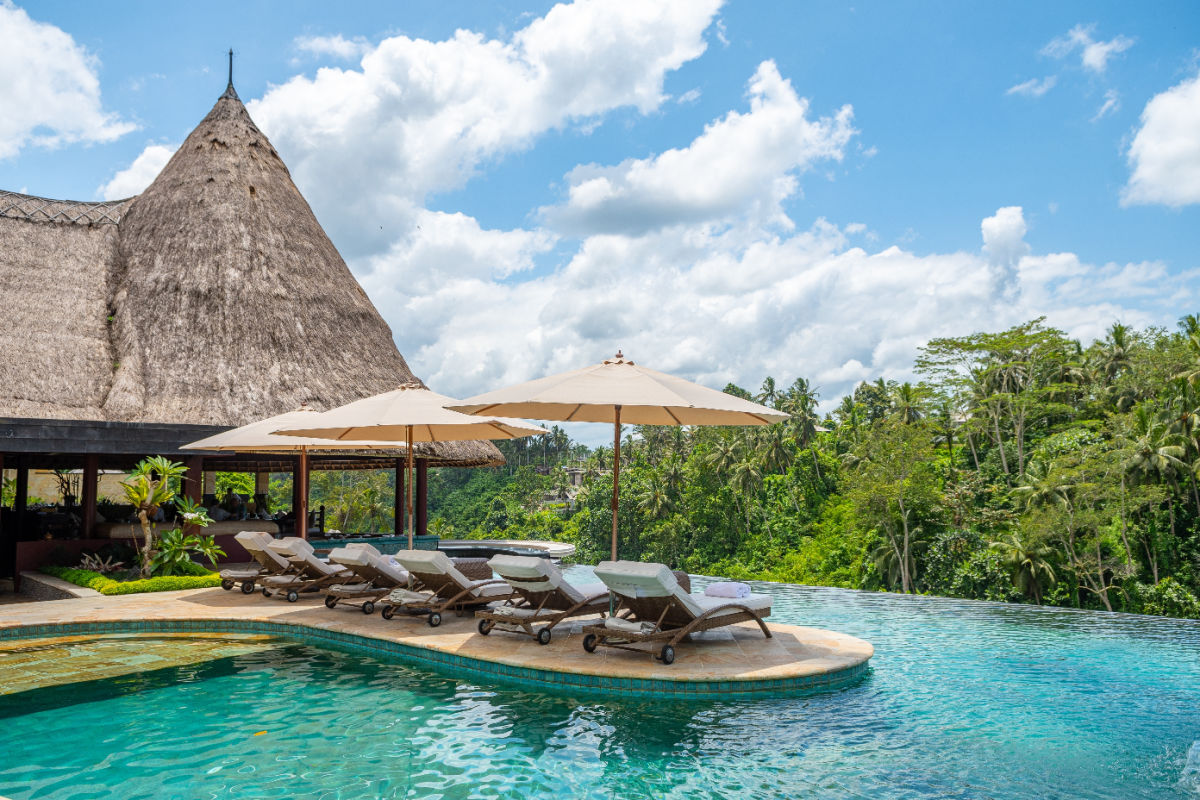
(620, 391)
(410, 413)
(259, 437)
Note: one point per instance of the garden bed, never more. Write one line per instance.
(107, 585)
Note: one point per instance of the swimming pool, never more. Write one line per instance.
(965, 699)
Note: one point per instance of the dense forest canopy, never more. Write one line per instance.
(1021, 467)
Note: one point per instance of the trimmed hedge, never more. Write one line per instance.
(105, 585)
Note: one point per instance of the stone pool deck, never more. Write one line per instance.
(733, 661)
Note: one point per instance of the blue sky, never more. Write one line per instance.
(724, 189)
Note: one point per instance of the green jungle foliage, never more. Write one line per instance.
(1022, 467)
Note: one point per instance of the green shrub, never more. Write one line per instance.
(199, 579)
(1167, 598)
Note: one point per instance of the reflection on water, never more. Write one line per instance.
(965, 700)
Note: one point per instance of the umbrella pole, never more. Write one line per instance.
(301, 510)
(616, 476)
(409, 432)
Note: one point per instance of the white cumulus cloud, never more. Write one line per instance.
(1165, 153)
(50, 94)
(138, 175)
(741, 164)
(421, 116)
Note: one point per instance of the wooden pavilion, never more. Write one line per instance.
(212, 299)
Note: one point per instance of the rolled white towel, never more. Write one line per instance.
(729, 589)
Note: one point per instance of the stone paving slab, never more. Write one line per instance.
(736, 653)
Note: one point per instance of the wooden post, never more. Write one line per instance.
(262, 482)
(22, 498)
(616, 476)
(422, 496)
(210, 483)
(193, 479)
(91, 476)
(399, 501)
(301, 480)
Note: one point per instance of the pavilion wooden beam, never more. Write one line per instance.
(301, 482)
(87, 500)
(21, 501)
(193, 479)
(398, 528)
(422, 496)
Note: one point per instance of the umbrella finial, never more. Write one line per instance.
(619, 358)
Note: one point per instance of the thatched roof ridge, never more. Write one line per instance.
(213, 298)
(30, 208)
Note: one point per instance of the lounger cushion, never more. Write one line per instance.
(540, 575)
(257, 544)
(634, 579)
(300, 551)
(367, 563)
(755, 602)
(435, 562)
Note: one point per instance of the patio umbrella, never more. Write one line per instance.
(259, 437)
(619, 390)
(410, 413)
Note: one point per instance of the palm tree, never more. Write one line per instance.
(654, 499)
(768, 395)
(776, 455)
(1157, 452)
(906, 403)
(1114, 352)
(1028, 561)
(1043, 487)
(746, 481)
(723, 456)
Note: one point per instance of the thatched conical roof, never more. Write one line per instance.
(212, 298)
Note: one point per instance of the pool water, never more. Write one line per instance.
(965, 700)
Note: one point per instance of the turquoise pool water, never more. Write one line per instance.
(965, 700)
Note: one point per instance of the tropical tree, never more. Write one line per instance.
(1029, 561)
(148, 487)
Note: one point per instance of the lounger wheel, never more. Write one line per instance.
(435, 619)
(543, 635)
(485, 626)
(667, 654)
(388, 612)
(226, 584)
(368, 607)
(247, 587)
(266, 592)
(589, 642)
(293, 595)
(330, 601)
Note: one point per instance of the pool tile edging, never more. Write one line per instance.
(526, 677)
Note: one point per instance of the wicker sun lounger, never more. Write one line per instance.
(441, 587)
(257, 544)
(307, 573)
(543, 597)
(377, 575)
(654, 608)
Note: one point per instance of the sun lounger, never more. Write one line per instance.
(257, 544)
(654, 608)
(377, 575)
(306, 573)
(440, 588)
(543, 597)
